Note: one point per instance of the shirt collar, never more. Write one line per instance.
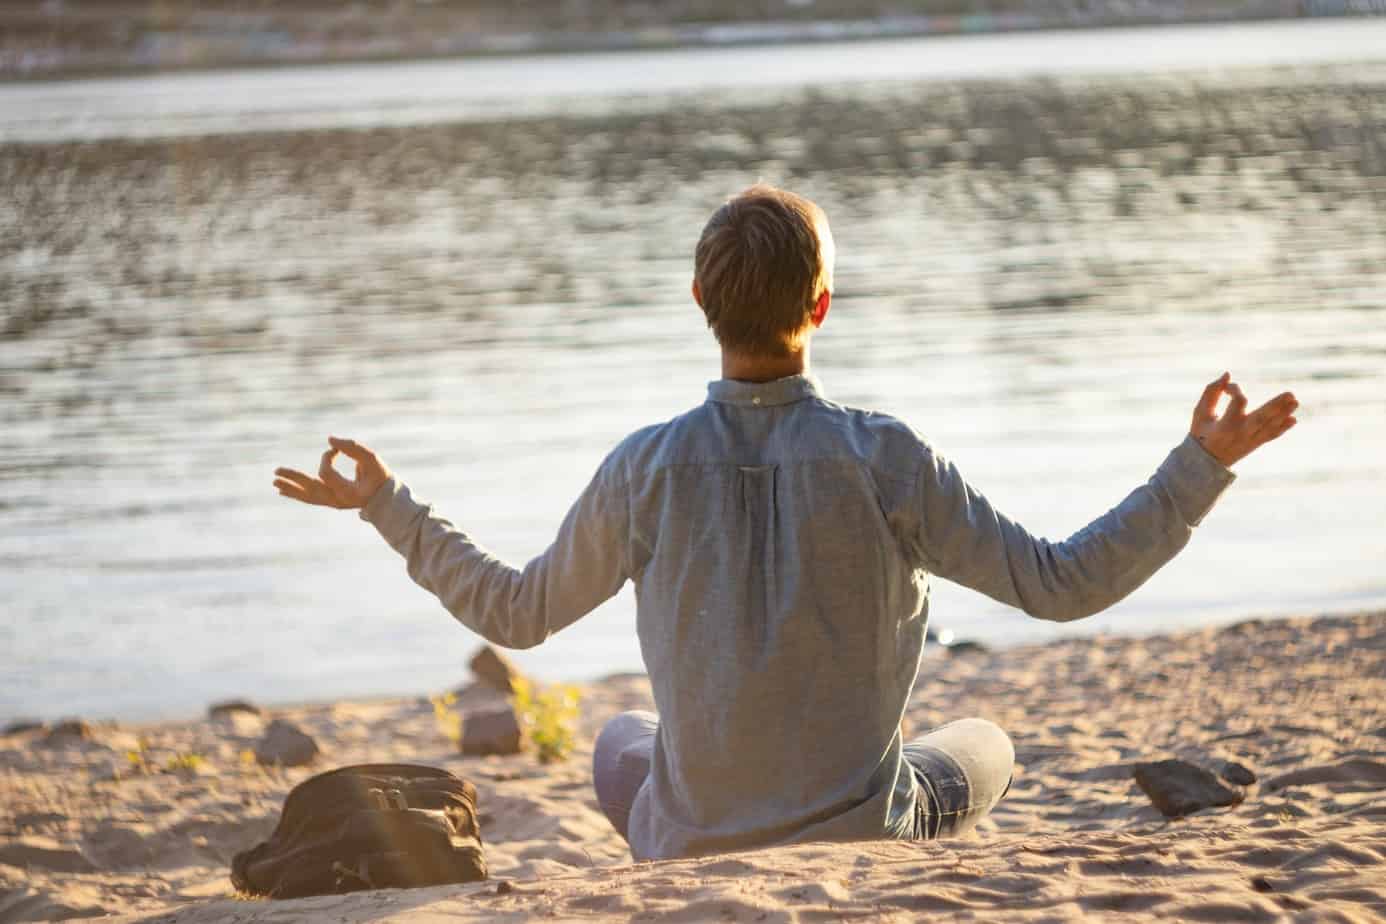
(764, 394)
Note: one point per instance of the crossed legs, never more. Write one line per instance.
(962, 768)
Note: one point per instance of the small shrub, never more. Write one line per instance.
(139, 757)
(549, 718)
(449, 722)
(188, 761)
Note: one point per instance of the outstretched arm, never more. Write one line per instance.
(962, 538)
(516, 608)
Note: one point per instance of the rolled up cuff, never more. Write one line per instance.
(1194, 479)
(391, 509)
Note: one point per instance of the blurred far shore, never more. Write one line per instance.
(69, 38)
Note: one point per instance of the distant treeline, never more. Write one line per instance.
(56, 37)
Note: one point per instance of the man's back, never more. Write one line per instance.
(780, 547)
(780, 618)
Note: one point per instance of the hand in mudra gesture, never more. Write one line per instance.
(331, 488)
(1235, 434)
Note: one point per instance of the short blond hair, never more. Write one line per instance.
(760, 268)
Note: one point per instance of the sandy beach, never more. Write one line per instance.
(141, 821)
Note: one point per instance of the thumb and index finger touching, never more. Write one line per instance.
(329, 474)
(1208, 401)
(1206, 409)
(331, 487)
(351, 449)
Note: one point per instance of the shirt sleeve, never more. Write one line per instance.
(962, 538)
(508, 606)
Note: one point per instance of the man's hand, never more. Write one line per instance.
(330, 488)
(1236, 433)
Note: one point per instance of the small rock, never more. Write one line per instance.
(477, 696)
(231, 706)
(1238, 774)
(494, 669)
(1177, 787)
(20, 726)
(68, 731)
(238, 723)
(287, 745)
(945, 638)
(496, 731)
(241, 725)
(504, 887)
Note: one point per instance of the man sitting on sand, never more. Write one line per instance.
(781, 547)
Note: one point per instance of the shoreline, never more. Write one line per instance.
(188, 51)
(933, 652)
(1299, 701)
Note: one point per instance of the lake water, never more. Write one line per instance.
(1039, 267)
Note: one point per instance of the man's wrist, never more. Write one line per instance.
(1195, 479)
(1198, 441)
(380, 499)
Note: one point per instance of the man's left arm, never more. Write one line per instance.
(958, 535)
(512, 607)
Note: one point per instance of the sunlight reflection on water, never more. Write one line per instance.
(1039, 276)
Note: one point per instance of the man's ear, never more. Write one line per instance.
(697, 294)
(820, 308)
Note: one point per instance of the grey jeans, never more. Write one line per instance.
(963, 769)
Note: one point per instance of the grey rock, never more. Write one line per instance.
(494, 669)
(286, 745)
(496, 731)
(232, 706)
(946, 639)
(69, 731)
(236, 722)
(478, 697)
(1177, 787)
(1238, 774)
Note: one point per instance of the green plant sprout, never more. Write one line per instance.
(140, 762)
(548, 716)
(138, 756)
(449, 722)
(189, 761)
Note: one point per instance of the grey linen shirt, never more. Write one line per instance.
(781, 547)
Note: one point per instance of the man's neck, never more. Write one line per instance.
(745, 368)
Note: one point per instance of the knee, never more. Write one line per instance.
(991, 753)
(620, 731)
(1002, 764)
(614, 775)
(623, 728)
(994, 740)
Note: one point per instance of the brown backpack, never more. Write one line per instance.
(372, 826)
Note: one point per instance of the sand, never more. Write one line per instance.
(84, 831)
